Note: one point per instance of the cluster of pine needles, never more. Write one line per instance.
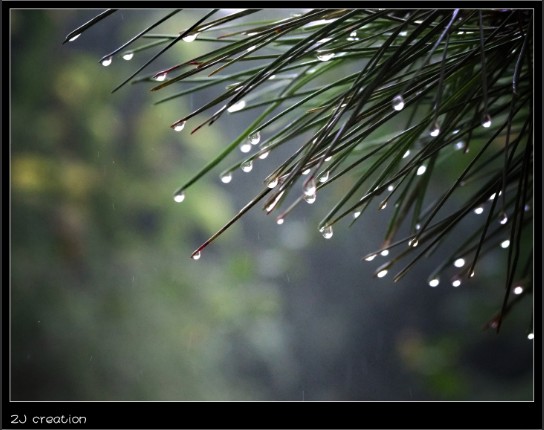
(404, 102)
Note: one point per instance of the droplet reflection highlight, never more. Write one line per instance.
(324, 56)
(245, 147)
(247, 166)
(179, 197)
(180, 126)
(254, 138)
(237, 106)
(460, 262)
(435, 131)
(398, 103)
(226, 177)
(190, 37)
(434, 282)
(327, 232)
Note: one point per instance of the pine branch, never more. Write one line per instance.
(460, 81)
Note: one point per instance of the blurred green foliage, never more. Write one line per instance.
(105, 302)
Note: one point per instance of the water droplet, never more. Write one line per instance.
(381, 273)
(486, 121)
(107, 61)
(398, 103)
(74, 37)
(179, 197)
(251, 48)
(456, 282)
(421, 170)
(254, 138)
(324, 56)
(310, 187)
(245, 147)
(161, 77)
(527, 208)
(370, 257)
(179, 126)
(406, 154)
(505, 244)
(518, 290)
(460, 262)
(329, 158)
(280, 221)
(413, 242)
(246, 166)
(459, 145)
(479, 210)
(128, 56)
(471, 275)
(190, 37)
(196, 255)
(263, 155)
(310, 199)
(353, 35)
(456, 131)
(324, 177)
(327, 232)
(226, 177)
(390, 188)
(306, 172)
(531, 336)
(418, 226)
(382, 205)
(435, 131)
(237, 106)
(384, 253)
(272, 77)
(403, 33)
(434, 282)
(272, 183)
(503, 218)
(272, 205)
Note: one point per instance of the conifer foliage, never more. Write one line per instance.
(389, 101)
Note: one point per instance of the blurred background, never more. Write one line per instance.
(107, 305)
